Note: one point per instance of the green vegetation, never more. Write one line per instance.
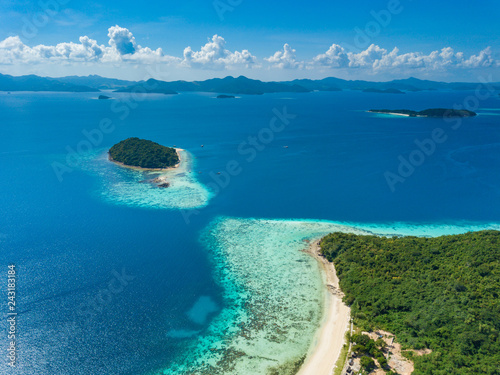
(432, 112)
(438, 293)
(367, 364)
(142, 153)
(339, 365)
(366, 347)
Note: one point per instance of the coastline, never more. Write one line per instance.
(330, 337)
(392, 114)
(147, 188)
(178, 150)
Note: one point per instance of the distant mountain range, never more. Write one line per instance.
(97, 82)
(228, 85)
(36, 83)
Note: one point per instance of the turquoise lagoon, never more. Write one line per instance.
(212, 276)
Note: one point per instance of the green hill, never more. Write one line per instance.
(439, 293)
(142, 153)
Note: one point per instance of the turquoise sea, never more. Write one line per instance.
(208, 276)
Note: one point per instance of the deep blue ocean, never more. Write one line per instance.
(107, 288)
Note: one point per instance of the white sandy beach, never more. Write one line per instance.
(391, 113)
(330, 338)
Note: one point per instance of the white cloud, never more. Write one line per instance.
(285, 59)
(122, 48)
(377, 59)
(215, 55)
(12, 50)
(122, 40)
(367, 58)
(484, 59)
(335, 57)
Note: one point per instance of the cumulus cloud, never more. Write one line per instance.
(484, 59)
(122, 40)
(335, 57)
(367, 58)
(285, 59)
(377, 59)
(215, 55)
(122, 48)
(13, 50)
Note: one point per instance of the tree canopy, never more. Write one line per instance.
(439, 293)
(143, 153)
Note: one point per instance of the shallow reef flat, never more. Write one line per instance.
(125, 186)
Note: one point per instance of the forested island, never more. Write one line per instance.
(141, 153)
(440, 294)
(432, 112)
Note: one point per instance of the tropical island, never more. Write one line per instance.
(141, 153)
(222, 96)
(434, 301)
(432, 112)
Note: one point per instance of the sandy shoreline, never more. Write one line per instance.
(178, 150)
(392, 113)
(330, 337)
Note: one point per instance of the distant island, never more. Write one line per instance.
(141, 153)
(383, 91)
(103, 97)
(432, 112)
(225, 97)
(227, 85)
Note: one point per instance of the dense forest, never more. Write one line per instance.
(142, 153)
(438, 293)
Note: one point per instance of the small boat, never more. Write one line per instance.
(285, 146)
(202, 146)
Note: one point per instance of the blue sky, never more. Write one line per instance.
(417, 28)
